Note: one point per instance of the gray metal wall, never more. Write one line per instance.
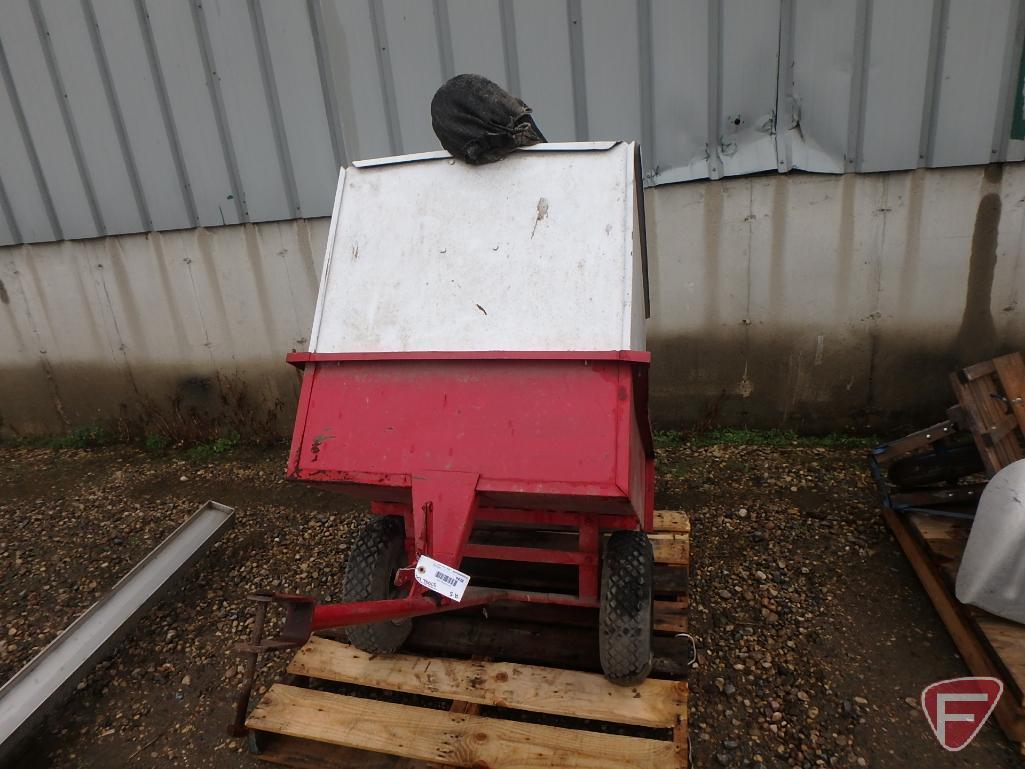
(121, 116)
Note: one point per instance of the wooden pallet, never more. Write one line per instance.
(992, 397)
(529, 696)
(990, 646)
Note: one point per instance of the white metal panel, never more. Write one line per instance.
(896, 93)
(749, 62)
(969, 81)
(680, 85)
(356, 80)
(181, 63)
(43, 116)
(612, 63)
(303, 111)
(133, 83)
(823, 54)
(475, 34)
(248, 112)
(546, 82)
(412, 48)
(20, 181)
(533, 253)
(105, 159)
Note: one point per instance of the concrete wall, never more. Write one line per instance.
(816, 302)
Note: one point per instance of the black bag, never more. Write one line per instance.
(479, 122)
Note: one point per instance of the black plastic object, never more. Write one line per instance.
(478, 121)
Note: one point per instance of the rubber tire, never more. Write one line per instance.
(378, 551)
(625, 616)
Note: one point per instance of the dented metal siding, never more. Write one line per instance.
(121, 116)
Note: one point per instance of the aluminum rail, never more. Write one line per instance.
(52, 674)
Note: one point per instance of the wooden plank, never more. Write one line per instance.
(921, 498)
(966, 397)
(671, 521)
(1011, 373)
(1008, 641)
(1008, 712)
(889, 452)
(309, 754)
(671, 548)
(998, 432)
(457, 740)
(671, 616)
(501, 684)
(976, 371)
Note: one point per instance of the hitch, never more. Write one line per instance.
(295, 632)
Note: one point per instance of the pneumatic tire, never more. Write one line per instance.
(376, 554)
(625, 616)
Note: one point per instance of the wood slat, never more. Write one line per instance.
(521, 687)
(457, 740)
(976, 371)
(671, 548)
(975, 651)
(309, 754)
(671, 521)
(992, 456)
(1011, 373)
(671, 616)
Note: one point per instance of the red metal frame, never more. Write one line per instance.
(535, 439)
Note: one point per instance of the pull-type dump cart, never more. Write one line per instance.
(477, 356)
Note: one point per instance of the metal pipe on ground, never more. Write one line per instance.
(45, 682)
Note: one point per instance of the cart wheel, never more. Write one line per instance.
(379, 550)
(625, 618)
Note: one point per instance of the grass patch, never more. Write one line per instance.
(156, 442)
(745, 436)
(204, 452)
(89, 437)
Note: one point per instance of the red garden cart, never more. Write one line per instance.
(477, 357)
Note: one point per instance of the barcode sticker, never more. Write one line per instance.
(436, 576)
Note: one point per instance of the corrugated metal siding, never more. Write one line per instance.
(122, 116)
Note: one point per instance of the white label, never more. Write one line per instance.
(436, 576)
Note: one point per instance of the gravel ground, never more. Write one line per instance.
(815, 637)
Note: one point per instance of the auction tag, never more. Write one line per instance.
(436, 576)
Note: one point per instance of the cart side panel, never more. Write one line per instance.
(526, 426)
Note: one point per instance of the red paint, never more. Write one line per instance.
(447, 439)
(554, 428)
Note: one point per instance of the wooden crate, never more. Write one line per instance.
(990, 646)
(529, 696)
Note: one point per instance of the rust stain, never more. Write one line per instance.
(315, 445)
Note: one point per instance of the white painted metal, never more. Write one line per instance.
(235, 110)
(992, 571)
(53, 673)
(536, 252)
